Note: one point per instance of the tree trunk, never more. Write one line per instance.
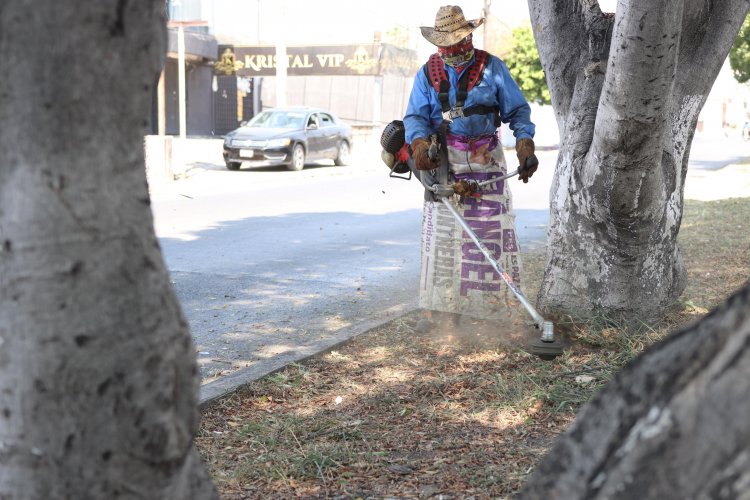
(672, 424)
(98, 376)
(627, 91)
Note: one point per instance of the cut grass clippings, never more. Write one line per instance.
(462, 411)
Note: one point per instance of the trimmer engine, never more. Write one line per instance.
(395, 152)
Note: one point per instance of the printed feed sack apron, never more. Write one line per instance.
(456, 277)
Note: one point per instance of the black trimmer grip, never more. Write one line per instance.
(531, 162)
(432, 153)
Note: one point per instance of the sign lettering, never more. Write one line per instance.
(250, 61)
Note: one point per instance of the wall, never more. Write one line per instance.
(547, 135)
(395, 97)
(727, 107)
(199, 100)
(170, 158)
(354, 99)
(199, 106)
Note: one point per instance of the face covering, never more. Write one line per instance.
(458, 55)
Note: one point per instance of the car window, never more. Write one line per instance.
(326, 120)
(277, 119)
(313, 120)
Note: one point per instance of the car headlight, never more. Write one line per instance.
(278, 143)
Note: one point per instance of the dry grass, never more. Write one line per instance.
(462, 412)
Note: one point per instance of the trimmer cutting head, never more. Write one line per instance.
(546, 347)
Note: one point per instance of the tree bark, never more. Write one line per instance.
(627, 92)
(672, 424)
(98, 376)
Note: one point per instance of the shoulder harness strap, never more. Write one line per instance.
(435, 72)
(477, 69)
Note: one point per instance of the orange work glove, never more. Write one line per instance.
(527, 161)
(419, 148)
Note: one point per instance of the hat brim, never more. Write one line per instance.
(448, 38)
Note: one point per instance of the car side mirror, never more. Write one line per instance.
(312, 126)
(243, 123)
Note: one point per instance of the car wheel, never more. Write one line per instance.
(298, 158)
(342, 158)
(233, 166)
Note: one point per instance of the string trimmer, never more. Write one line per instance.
(546, 346)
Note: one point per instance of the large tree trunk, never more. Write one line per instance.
(98, 378)
(627, 91)
(673, 424)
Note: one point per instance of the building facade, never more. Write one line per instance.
(231, 71)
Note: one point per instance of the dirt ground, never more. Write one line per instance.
(460, 412)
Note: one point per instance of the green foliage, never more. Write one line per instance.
(739, 54)
(524, 65)
(398, 36)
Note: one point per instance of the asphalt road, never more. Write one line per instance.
(714, 153)
(272, 266)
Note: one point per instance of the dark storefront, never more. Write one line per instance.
(233, 101)
(200, 53)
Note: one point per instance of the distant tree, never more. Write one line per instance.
(524, 65)
(739, 54)
(398, 36)
(396, 58)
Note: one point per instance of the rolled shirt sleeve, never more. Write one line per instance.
(419, 120)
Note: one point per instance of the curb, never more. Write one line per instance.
(214, 391)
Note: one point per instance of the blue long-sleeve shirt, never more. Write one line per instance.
(497, 88)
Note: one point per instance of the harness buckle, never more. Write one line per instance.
(453, 113)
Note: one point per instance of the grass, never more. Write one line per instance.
(462, 411)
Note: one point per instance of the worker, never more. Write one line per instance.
(461, 96)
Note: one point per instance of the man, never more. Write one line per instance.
(460, 96)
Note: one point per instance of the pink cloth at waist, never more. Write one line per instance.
(469, 143)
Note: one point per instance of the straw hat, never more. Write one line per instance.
(450, 26)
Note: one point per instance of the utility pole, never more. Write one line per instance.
(181, 92)
(281, 60)
(162, 105)
(181, 79)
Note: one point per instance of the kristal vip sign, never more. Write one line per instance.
(316, 60)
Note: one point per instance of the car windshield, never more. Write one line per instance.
(277, 119)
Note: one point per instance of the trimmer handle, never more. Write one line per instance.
(528, 168)
(531, 162)
(432, 153)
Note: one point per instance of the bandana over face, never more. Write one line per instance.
(458, 55)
